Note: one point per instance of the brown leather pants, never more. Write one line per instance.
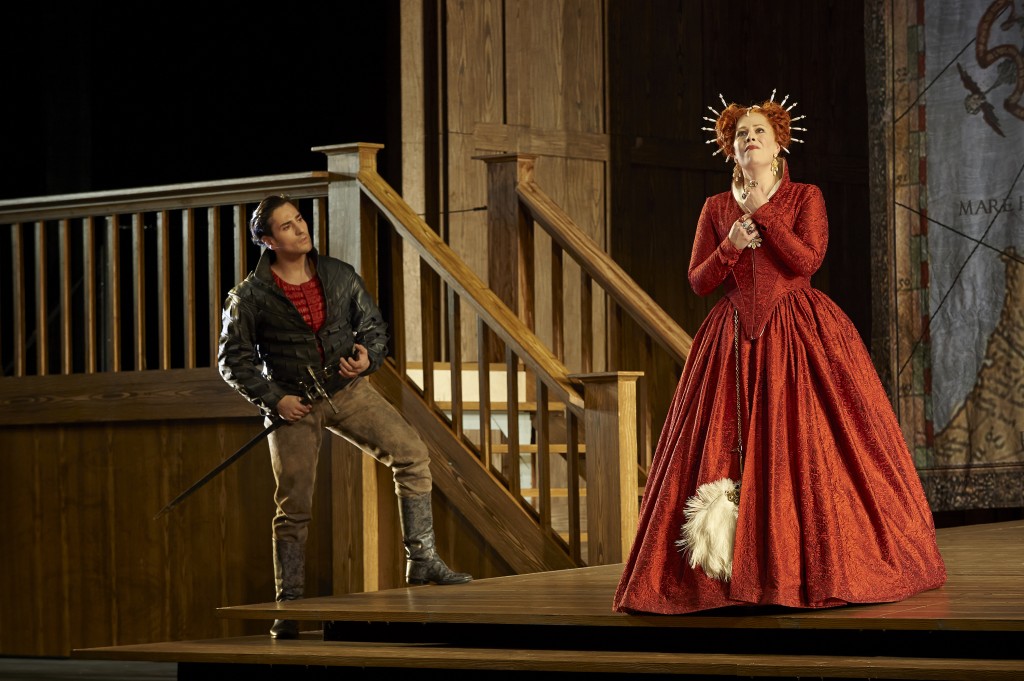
(366, 420)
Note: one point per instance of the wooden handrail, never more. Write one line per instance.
(163, 197)
(157, 223)
(605, 271)
(506, 325)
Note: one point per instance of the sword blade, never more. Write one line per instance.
(277, 423)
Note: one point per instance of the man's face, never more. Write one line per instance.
(290, 234)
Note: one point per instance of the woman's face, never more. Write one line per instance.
(754, 143)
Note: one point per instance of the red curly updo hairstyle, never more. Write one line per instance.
(725, 127)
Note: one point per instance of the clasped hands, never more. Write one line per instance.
(744, 233)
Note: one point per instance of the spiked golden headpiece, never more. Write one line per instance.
(725, 120)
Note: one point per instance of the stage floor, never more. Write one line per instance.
(562, 621)
(985, 589)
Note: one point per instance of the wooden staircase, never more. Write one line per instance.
(526, 468)
(554, 485)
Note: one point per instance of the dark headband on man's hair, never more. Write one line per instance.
(258, 226)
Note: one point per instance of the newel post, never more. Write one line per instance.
(362, 504)
(510, 266)
(611, 464)
(351, 218)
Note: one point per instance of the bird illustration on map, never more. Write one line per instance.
(977, 100)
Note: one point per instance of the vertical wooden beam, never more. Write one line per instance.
(510, 247)
(89, 292)
(163, 269)
(612, 503)
(369, 266)
(18, 284)
(586, 322)
(543, 472)
(113, 301)
(139, 289)
(320, 223)
(188, 287)
(511, 464)
(510, 257)
(429, 287)
(483, 335)
(352, 237)
(352, 233)
(398, 304)
(455, 361)
(42, 330)
(64, 253)
(420, 140)
(572, 476)
(213, 274)
(355, 519)
(557, 302)
(241, 231)
(883, 59)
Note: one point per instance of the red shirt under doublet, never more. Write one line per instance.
(308, 299)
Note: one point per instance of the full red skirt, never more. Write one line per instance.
(831, 507)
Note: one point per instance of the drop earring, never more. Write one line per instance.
(775, 164)
(737, 174)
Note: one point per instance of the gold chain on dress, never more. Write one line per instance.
(739, 401)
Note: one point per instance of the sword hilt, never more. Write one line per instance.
(316, 390)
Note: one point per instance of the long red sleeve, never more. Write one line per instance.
(797, 230)
(712, 259)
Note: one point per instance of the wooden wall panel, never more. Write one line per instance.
(139, 555)
(24, 549)
(87, 587)
(655, 65)
(414, 144)
(467, 188)
(475, 64)
(89, 566)
(555, 78)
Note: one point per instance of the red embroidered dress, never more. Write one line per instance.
(831, 508)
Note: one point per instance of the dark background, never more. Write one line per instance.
(112, 97)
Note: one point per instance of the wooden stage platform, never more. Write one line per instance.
(546, 624)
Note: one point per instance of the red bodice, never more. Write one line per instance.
(794, 228)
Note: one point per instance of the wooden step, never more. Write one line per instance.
(559, 492)
(556, 492)
(498, 383)
(524, 407)
(310, 652)
(554, 448)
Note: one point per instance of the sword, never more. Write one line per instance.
(277, 423)
(314, 391)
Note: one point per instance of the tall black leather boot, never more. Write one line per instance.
(422, 564)
(289, 582)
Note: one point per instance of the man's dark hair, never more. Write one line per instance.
(259, 222)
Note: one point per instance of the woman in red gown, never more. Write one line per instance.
(831, 510)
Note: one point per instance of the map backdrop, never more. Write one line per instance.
(956, 169)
